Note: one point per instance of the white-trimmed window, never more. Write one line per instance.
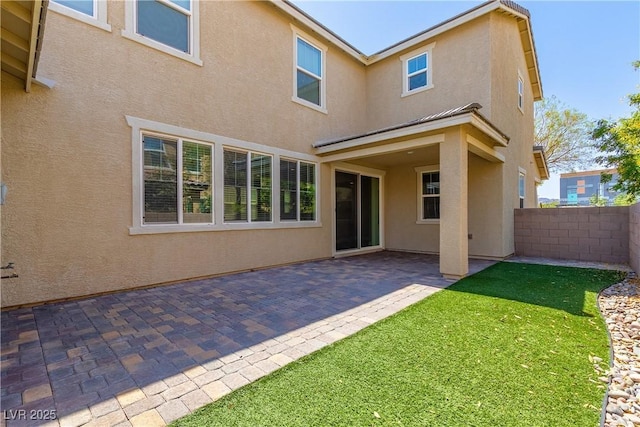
(185, 180)
(417, 70)
(177, 181)
(428, 194)
(521, 187)
(309, 71)
(171, 26)
(520, 92)
(92, 12)
(247, 186)
(297, 190)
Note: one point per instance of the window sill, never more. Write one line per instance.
(428, 221)
(413, 92)
(309, 104)
(198, 228)
(194, 59)
(62, 10)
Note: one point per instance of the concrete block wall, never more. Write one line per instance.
(584, 234)
(634, 237)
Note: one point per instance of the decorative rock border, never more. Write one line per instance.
(620, 307)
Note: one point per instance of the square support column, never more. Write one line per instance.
(454, 243)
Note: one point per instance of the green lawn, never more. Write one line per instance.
(508, 346)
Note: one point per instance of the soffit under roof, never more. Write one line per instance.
(22, 31)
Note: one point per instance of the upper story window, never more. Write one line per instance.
(417, 72)
(93, 12)
(309, 70)
(520, 92)
(88, 7)
(428, 194)
(171, 26)
(166, 22)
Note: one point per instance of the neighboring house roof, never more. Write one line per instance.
(506, 6)
(458, 111)
(22, 33)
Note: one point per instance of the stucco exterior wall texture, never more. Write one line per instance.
(67, 151)
(634, 237)
(584, 234)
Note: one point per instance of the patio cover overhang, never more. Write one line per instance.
(482, 138)
(456, 132)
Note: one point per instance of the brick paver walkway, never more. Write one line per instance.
(148, 357)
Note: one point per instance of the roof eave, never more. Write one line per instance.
(541, 161)
(22, 34)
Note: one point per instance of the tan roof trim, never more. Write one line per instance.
(300, 16)
(541, 161)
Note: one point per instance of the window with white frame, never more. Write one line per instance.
(417, 70)
(186, 180)
(521, 188)
(171, 26)
(247, 186)
(309, 69)
(520, 92)
(87, 7)
(428, 194)
(177, 181)
(165, 21)
(297, 190)
(93, 12)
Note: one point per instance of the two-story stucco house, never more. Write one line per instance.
(166, 140)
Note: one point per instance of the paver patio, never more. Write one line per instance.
(147, 357)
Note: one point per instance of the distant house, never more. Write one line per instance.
(168, 140)
(579, 188)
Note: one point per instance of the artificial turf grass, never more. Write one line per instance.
(508, 346)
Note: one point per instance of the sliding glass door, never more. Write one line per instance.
(357, 211)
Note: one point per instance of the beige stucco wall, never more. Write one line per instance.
(67, 151)
(476, 62)
(401, 197)
(460, 61)
(507, 61)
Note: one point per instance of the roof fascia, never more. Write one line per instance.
(541, 162)
(300, 16)
(35, 40)
(434, 31)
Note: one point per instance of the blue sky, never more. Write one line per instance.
(585, 48)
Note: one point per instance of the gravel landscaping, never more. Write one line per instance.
(620, 306)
